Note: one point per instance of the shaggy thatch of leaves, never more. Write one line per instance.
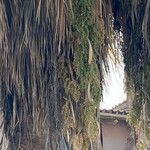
(132, 18)
(42, 83)
(51, 58)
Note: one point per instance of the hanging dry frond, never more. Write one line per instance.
(89, 92)
(90, 52)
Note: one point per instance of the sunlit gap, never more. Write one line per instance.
(114, 85)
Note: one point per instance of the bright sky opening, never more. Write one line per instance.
(114, 88)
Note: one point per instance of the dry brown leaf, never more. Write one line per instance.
(88, 92)
(90, 52)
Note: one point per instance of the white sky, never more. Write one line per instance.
(114, 89)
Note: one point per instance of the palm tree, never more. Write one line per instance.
(51, 68)
(133, 19)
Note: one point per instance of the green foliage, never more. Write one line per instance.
(148, 130)
(85, 31)
(147, 79)
(96, 89)
(89, 111)
(84, 28)
(72, 89)
(141, 146)
(78, 142)
(90, 121)
(67, 117)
